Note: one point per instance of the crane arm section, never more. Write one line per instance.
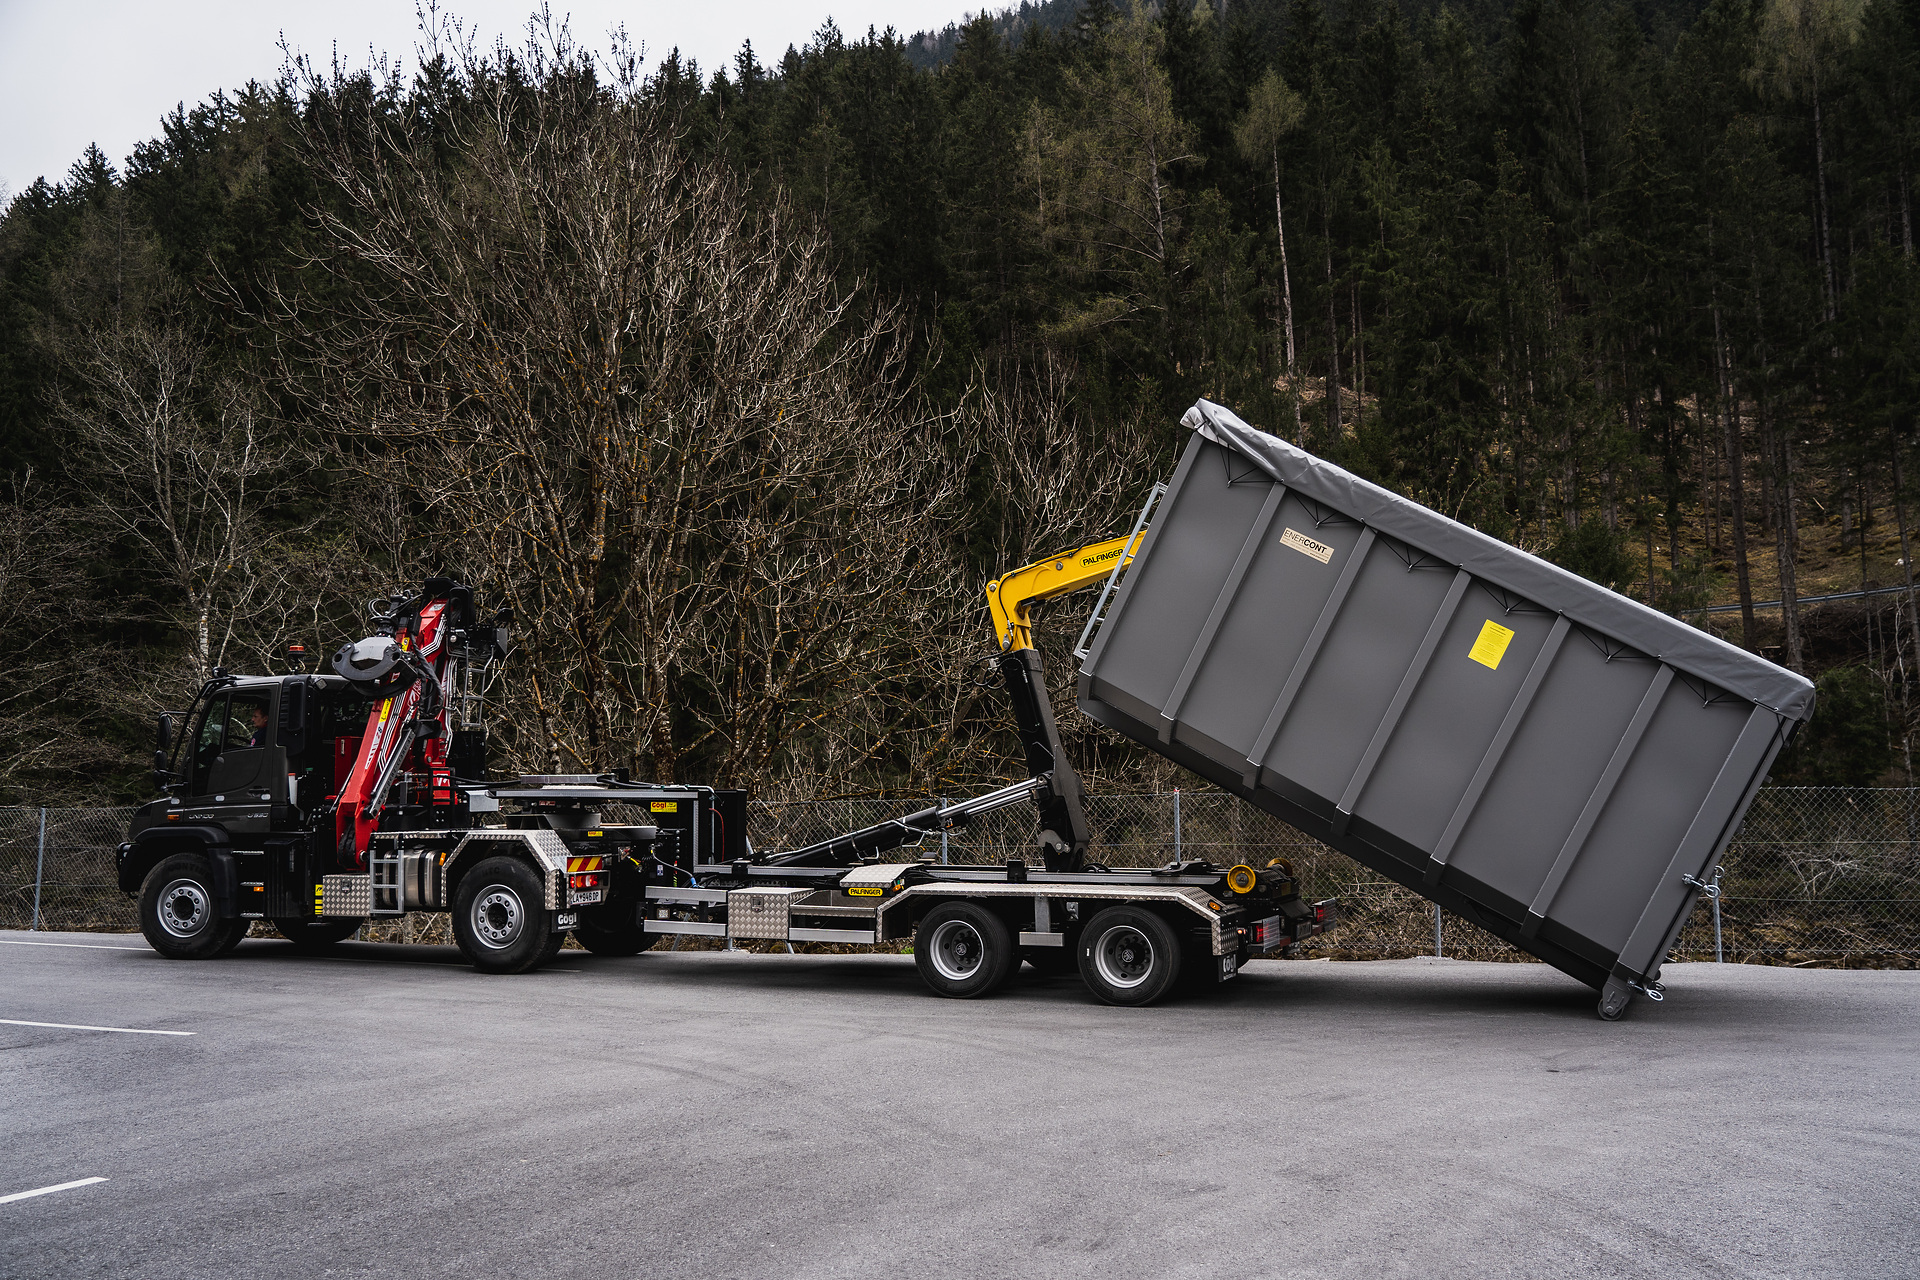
(1064, 833)
(1012, 596)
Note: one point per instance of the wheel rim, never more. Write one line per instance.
(957, 950)
(185, 910)
(1124, 956)
(498, 916)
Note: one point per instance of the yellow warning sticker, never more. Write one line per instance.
(1306, 546)
(666, 806)
(1492, 645)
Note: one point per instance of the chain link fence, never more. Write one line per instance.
(1817, 875)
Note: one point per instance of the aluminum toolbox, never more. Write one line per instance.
(1554, 762)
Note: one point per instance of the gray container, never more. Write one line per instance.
(1553, 762)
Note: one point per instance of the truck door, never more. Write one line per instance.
(247, 733)
(231, 774)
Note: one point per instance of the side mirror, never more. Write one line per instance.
(162, 747)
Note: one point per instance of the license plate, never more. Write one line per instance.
(584, 897)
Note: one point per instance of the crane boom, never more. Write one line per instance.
(1064, 834)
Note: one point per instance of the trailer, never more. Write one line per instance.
(1553, 762)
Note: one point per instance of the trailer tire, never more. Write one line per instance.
(1129, 956)
(963, 951)
(311, 936)
(236, 934)
(600, 932)
(177, 909)
(499, 917)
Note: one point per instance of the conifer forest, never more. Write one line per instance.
(739, 383)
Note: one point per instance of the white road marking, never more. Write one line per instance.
(69, 1026)
(46, 1191)
(89, 946)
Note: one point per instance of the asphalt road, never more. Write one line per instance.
(389, 1112)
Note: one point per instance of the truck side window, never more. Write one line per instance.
(248, 722)
(209, 739)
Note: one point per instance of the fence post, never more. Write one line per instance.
(1439, 949)
(1719, 954)
(39, 868)
(1176, 824)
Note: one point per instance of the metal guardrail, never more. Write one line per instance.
(1816, 874)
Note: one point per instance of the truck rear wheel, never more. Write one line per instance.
(963, 951)
(310, 936)
(1129, 956)
(177, 912)
(500, 917)
(613, 931)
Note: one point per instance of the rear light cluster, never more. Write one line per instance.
(586, 873)
(587, 880)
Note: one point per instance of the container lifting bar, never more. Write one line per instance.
(868, 842)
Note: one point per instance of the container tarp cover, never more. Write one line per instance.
(1547, 759)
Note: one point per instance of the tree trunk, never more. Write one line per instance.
(1906, 208)
(1906, 553)
(1333, 346)
(1286, 301)
(1784, 532)
(1820, 183)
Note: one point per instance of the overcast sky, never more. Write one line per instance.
(105, 71)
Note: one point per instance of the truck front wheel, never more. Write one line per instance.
(500, 917)
(964, 950)
(177, 912)
(1129, 956)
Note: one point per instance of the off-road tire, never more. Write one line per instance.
(964, 951)
(1129, 956)
(177, 909)
(315, 934)
(600, 932)
(500, 917)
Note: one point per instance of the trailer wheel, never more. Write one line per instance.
(603, 932)
(311, 936)
(236, 934)
(963, 951)
(176, 909)
(1129, 956)
(499, 917)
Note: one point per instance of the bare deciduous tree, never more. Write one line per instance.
(643, 416)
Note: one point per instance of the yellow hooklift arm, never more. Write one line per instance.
(1012, 596)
